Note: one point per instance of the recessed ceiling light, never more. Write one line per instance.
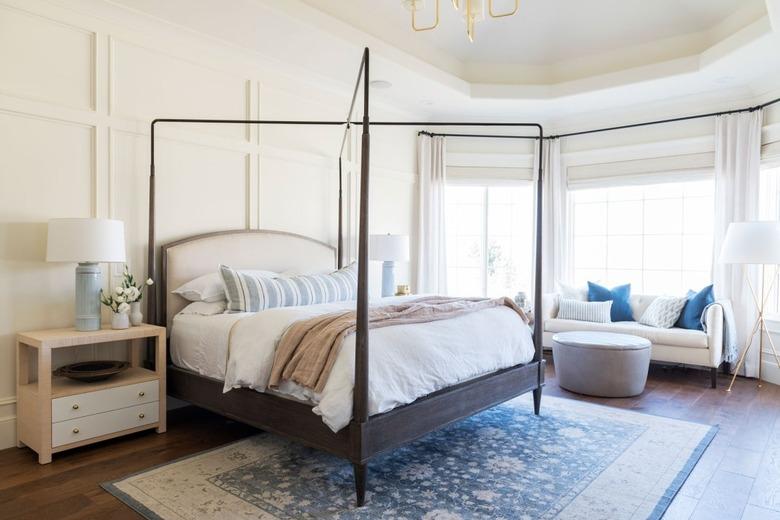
(380, 84)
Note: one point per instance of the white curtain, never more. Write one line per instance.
(737, 176)
(555, 228)
(432, 246)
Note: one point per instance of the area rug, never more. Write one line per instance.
(576, 460)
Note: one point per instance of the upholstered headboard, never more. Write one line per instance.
(197, 255)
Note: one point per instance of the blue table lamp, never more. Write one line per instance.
(389, 249)
(86, 241)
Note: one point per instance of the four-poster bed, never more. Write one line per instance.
(366, 436)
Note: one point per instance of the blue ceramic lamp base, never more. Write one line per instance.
(87, 296)
(388, 278)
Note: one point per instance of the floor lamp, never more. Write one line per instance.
(754, 243)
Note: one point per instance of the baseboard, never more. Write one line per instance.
(769, 369)
(7, 432)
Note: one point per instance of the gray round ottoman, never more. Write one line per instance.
(601, 363)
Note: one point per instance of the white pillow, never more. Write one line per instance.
(205, 308)
(210, 287)
(663, 312)
(573, 293)
(597, 312)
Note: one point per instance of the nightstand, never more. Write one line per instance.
(56, 414)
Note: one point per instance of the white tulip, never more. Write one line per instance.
(123, 308)
(149, 281)
(119, 298)
(119, 290)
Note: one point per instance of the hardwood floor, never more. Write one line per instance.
(738, 476)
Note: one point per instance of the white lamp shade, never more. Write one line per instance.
(752, 243)
(85, 240)
(389, 247)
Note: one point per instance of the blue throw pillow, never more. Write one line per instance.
(621, 309)
(690, 318)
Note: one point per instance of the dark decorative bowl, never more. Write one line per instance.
(91, 371)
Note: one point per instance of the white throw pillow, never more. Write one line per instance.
(663, 312)
(205, 308)
(597, 312)
(573, 293)
(211, 288)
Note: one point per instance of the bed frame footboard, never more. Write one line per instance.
(360, 441)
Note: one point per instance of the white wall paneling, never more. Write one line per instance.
(80, 83)
(45, 59)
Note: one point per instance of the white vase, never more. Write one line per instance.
(120, 320)
(136, 316)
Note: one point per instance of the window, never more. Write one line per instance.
(769, 209)
(656, 237)
(489, 239)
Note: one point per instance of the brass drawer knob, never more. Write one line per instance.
(141, 416)
(141, 393)
(75, 406)
(75, 430)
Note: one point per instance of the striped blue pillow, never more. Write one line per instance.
(597, 312)
(248, 292)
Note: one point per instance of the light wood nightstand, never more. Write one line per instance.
(56, 414)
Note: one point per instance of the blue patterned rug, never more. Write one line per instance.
(575, 461)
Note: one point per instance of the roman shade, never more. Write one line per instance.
(653, 170)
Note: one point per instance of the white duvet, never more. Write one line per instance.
(406, 362)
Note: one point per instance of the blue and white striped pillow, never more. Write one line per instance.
(248, 292)
(598, 312)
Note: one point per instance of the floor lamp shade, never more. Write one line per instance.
(756, 243)
(389, 249)
(752, 243)
(86, 241)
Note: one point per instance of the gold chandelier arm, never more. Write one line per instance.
(501, 15)
(430, 27)
(456, 4)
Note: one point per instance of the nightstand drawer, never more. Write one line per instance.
(89, 403)
(85, 428)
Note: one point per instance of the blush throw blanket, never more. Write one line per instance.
(308, 349)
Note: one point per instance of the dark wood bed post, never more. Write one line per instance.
(151, 258)
(360, 396)
(340, 238)
(538, 322)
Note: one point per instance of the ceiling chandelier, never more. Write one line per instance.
(473, 11)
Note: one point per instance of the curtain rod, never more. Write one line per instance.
(608, 129)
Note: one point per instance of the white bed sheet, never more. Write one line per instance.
(200, 343)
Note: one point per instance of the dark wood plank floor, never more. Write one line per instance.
(738, 477)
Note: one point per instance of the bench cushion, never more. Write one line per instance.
(674, 337)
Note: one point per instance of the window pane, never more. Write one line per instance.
(590, 252)
(697, 215)
(663, 252)
(624, 252)
(489, 239)
(509, 240)
(663, 216)
(590, 219)
(662, 282)
(625, 218)
(658, 238)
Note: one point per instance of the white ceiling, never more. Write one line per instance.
(557, 61)
(558, 40)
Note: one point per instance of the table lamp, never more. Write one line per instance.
(754, 243)
(86, 241)
(389, 249)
